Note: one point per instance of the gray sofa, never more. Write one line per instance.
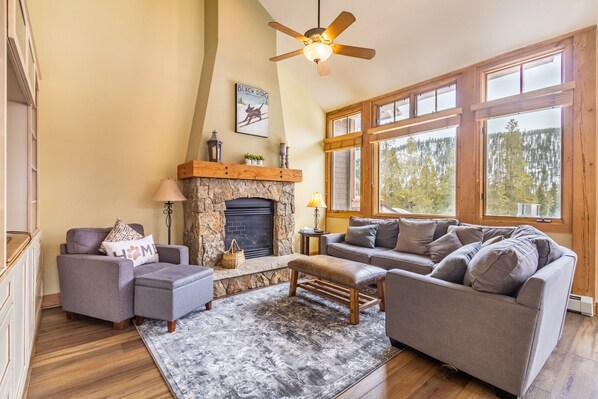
(383, 254)
(99, 286)
(499, 339)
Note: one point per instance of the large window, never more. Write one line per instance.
(523, 165)
(524, 77)
(436, 100)
(417, 173)
(344, 148)
(346, 125)
(393, 112)
(346, 166)
(523, 150)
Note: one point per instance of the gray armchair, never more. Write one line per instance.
(100, 286)
(499, 339)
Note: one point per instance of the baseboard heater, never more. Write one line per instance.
(581, 304)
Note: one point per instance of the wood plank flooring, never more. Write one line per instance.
(86, 358)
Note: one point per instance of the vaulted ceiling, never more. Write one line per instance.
(418, 39)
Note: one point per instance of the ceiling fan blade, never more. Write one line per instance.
(352, 51)
(323, 68)
(342, 22)
(287, 55)
(288, 31)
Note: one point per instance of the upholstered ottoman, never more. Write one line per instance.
(339, 280)
(171, 293)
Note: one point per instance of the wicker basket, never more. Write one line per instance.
(233, 257)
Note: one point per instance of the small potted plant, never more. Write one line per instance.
(260, 160)
(248, 158)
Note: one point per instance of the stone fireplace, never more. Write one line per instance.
(204, 231)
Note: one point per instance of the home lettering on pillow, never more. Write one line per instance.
(140, 251)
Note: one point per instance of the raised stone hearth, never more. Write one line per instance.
(254, 273)
(204, 214)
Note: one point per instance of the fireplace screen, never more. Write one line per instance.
(250, 222)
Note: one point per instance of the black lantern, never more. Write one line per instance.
(214, 148)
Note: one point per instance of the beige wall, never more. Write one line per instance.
(118, 101)
(305, 128)
(119, 80)
(237, 51)
(244, 44)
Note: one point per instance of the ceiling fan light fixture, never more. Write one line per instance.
(317, 52)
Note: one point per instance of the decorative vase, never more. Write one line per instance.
(260, 162)
(247, 161)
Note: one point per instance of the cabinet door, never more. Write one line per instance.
(22, 49)
(7, 331)
(21, 315)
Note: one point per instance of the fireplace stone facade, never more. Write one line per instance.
(204, 214)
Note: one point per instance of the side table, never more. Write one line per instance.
(305, 238)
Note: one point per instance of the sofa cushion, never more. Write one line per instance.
(442, 226)
(501, 268)
(548, 249)
(414, 235)
(363, 236)
(442, 247)
(468, 234)
(352, 252)
(419, 264)
(120, 232)
(453, 267)
(139, 251)
(388, 230)
(493, 231)
(88, 240)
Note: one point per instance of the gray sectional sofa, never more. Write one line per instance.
(494, 307)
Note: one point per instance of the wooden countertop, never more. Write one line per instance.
(15, 246)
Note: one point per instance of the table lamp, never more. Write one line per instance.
(169, 193)
(316, 202)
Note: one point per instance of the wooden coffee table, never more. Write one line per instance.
(339, 280)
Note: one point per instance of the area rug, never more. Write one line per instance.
(262, 344)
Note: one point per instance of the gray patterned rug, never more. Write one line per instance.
(262, 344)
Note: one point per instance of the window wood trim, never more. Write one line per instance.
(345, 141)
(439, 120)
(560, 95)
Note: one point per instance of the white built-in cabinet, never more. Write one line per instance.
(21, 279)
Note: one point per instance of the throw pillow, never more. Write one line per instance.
(363, 236)
(502, 268)
(453, 267)
(442, 247)
(467, 234)
(493, 240)
(388, 230)
(548, 249)
(139, 251)
(414, 235)
(120, 232)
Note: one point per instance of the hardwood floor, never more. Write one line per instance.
(86, 358)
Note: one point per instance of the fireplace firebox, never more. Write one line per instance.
(250, 221)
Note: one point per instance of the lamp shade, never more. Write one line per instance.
(317, 52)
(169, 192)
(316, 201)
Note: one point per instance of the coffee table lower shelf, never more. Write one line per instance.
(348, 296)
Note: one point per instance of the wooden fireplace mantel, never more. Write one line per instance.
(237, 171)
